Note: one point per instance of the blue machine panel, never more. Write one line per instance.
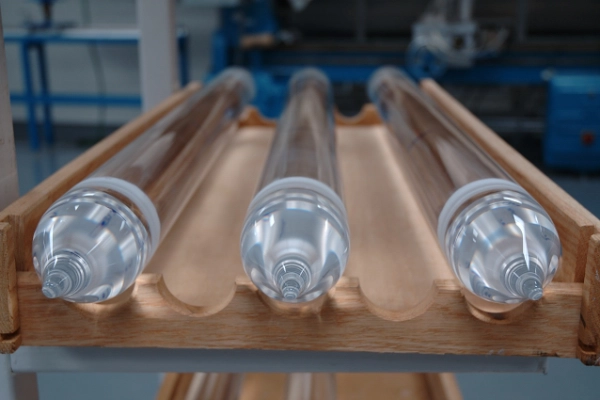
(573, 122)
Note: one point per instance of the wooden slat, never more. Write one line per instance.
(589, 327)
(174, 386)
(9, 343)
(574, 223)
(443, 387)
(25, 213)
(382, 387)
(9, 318)
(258, 386)
(345, 324)
(209, 386)
(393, 386)
(311, 386)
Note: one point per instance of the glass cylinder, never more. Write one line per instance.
(500, 242)
(295, 241)
(94, 241)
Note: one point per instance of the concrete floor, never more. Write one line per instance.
(566, 379)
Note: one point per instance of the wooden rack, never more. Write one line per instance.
(257, 386)
(397, 295)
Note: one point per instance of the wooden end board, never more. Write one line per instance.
(353, 386)
(9, 318)
(589, 326)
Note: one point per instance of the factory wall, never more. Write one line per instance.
(71, 68)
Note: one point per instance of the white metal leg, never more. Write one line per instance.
(9, 184)
(16, 386)
(157, 50)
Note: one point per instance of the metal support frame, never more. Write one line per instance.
(271, 69)
(361, 21)
(41, 51)
(522, 11)
(34, 140)
(88, 359)
(9, 183)
(16, 386)
(37, 41)
(158, 50)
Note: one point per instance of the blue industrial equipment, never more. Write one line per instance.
(571, 74)
(573, 122)
(37, 40)
(272, 66)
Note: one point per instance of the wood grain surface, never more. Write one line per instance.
(175, 386)
(589, 327)
(9, 318)
(345, 323)
(443, 387)
(258, 386)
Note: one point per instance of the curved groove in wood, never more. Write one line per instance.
(502, 317)
(189, 309)
(368, 115)
(252, 117)
(344, 324)
(296, 310)
(405, 314)
(103, 309)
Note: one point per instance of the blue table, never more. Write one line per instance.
(38, 40)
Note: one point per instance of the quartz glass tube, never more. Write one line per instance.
(500, 242)
(94, 241)
(295, 241)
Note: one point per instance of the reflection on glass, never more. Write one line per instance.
(295, 240)
(500, 242)
(93, 242)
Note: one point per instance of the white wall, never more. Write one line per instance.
(70, 66)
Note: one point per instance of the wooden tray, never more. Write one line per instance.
(397, 294)
(256, 386)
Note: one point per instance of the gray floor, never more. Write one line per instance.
(566, 379)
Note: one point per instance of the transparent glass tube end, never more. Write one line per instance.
(64, 274)
(89, 247)
(295, 243)
(504, 247)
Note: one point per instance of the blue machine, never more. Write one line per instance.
(558, 69)
(573, 122)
